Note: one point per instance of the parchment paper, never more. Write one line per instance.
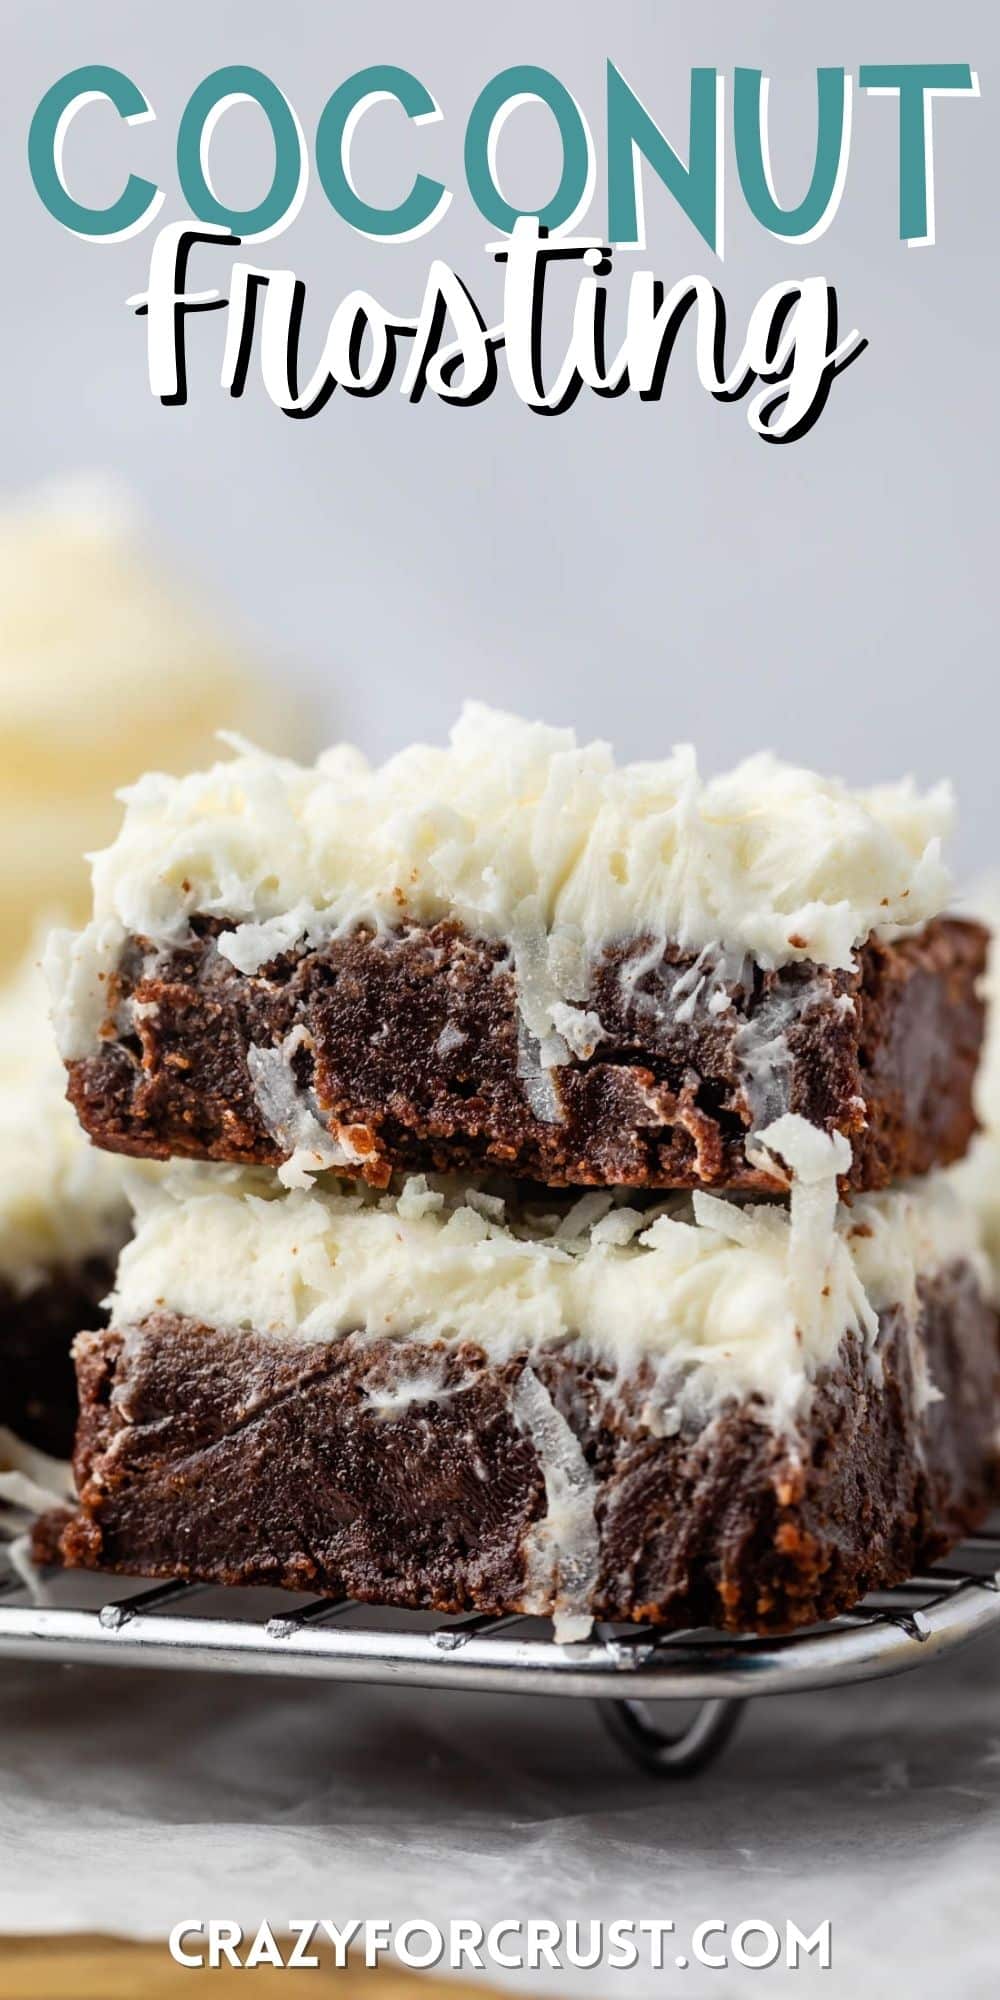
(130, 1799)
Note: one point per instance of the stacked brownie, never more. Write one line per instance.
(578, 1239)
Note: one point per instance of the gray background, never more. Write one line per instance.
(650, 572)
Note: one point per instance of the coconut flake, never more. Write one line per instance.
(563, 1549)
(290, 1118)
(814, 1160)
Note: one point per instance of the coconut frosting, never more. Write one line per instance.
(521, 834)
(61, 1201)
(709, 1290)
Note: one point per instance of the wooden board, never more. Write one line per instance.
(103, 1968)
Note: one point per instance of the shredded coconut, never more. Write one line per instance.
(564, 1547)
(290, 1116)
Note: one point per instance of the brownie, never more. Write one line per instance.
(408, 1047)
(337, 1467)
(37, 1379)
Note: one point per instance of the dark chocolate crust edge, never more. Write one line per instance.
(408, 1045)
(235, 1459)
(37, 1328)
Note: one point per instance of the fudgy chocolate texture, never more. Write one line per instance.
(225, 1456)
(37, 1379)
(410, 1048)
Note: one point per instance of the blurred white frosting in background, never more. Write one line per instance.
(977, 1177)
(61, 1199)
(109, 664)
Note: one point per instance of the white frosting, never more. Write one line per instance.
(526, 836)
(61, 1200)
(710, 1291)
(977, 1177)
(105, 663)
(976, 1180)
(984, 903)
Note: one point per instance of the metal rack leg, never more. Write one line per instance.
(678, 1755)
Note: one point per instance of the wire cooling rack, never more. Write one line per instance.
(68, 1618)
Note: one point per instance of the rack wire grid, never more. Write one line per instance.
(60, 1616)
